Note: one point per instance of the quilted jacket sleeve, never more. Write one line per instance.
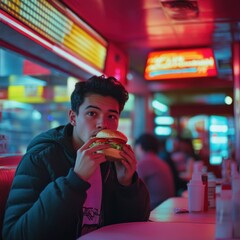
(40, 203)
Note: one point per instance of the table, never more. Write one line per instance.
(153, 231)
(165, 213)
(163, 224)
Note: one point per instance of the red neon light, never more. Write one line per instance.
(180, 64)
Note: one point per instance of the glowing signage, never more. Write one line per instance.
(180, 64)
(60, 26)
(29, 94)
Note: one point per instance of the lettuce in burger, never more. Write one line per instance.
(115, 139)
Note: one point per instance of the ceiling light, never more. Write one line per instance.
(228, 100)
(181, 9)
(159, 106)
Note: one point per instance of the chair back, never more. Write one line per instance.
(8, 165)
(10, 160)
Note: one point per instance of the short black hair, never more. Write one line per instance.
(105, 86)
(148, 142)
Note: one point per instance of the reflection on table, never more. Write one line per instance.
(153, 231)
(164, 224)
(166, 212)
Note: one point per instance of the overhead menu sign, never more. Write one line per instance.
(59, 26)
(173, 64)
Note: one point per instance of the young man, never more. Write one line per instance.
(64, 188)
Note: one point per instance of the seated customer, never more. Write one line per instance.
(180, 184)
(64, 187)
(154, 171)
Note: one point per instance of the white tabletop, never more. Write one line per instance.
(166, 212)
(153, 231)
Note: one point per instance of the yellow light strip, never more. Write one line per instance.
(45, 19)
(54, 48)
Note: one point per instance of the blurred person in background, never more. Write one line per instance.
(180, 184)
(63, 187)
(184, 156)
(155, 173)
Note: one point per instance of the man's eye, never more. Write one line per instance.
(91, 114)
(113, 117)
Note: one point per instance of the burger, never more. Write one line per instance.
(115, 139)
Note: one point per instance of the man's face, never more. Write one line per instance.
(97, 112)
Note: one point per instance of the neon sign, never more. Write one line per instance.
(180, 64)
(71, 37)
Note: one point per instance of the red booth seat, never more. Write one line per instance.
(10, 160)
(8, 166)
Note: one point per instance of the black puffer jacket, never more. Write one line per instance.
(46, 198)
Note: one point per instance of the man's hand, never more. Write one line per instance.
(88, 159)
(127, 166)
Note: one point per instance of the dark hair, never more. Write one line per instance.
(148, 142)
(109, 86)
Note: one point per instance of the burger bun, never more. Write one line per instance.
(112, 134)
(113, 137)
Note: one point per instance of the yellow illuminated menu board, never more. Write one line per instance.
(27, 94)
(59, 28)
(188, 63)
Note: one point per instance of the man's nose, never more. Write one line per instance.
(102, 123)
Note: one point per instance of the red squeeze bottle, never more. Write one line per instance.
(205, 183)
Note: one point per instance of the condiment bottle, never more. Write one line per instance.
(211, 194)
(205, 183)
(195, 192)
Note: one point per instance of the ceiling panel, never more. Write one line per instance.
(140, 26)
